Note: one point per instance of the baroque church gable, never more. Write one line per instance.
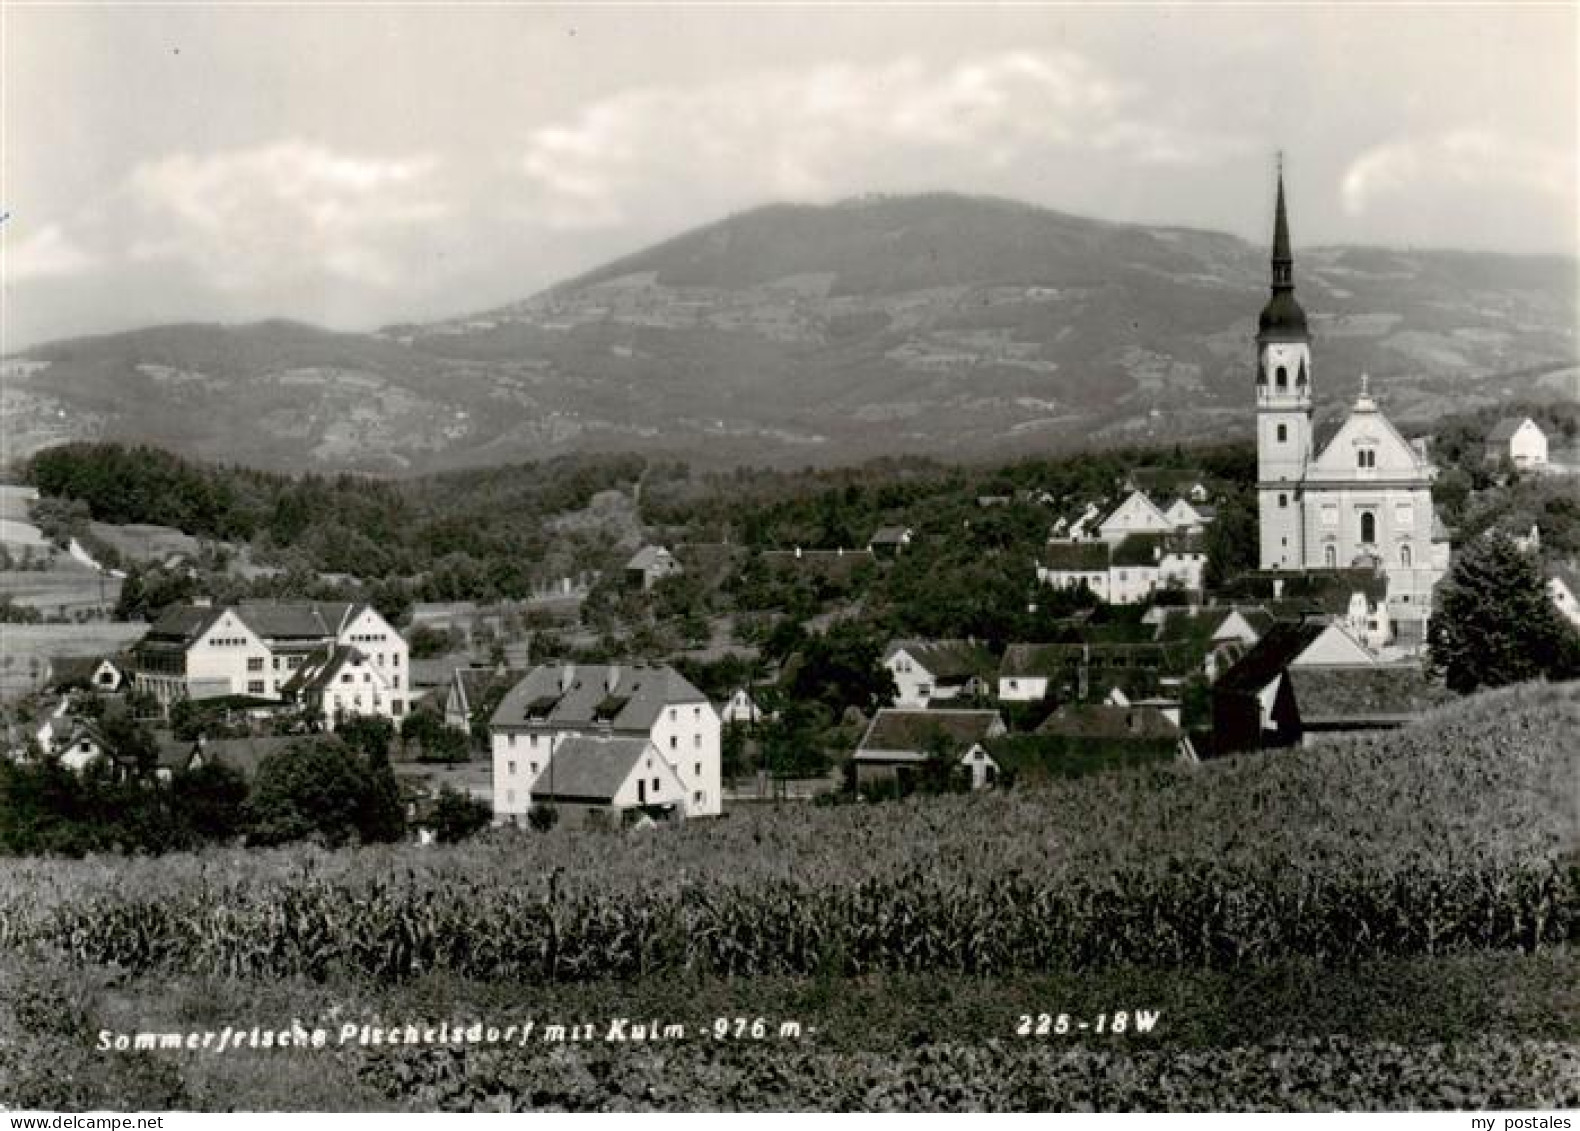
(1367, 446)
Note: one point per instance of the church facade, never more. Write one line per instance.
(1365, 498)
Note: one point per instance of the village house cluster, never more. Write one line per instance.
(1325, 636)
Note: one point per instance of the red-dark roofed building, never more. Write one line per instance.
(897, 743)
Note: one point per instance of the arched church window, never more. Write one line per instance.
(1368, 527)
(1283, 500)
(1330, 557)
(1404, 556)
(1282, 377)
(1283, 433)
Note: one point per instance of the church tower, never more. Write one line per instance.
(1283, 407)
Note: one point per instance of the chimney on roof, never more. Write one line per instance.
(611, 678)
(1278, 588)
(567, 674)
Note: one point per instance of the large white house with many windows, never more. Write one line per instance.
(278, 650)
(612, 737)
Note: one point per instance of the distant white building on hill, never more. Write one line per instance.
(1519, 440)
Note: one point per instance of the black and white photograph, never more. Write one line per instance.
(761, 557)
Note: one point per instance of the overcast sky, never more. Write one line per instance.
(354, 166)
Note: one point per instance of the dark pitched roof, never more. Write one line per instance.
(1148, 549)
(184, 623)
(572, 695)
(1270, 656)
(1325, 590)
(72, 671)
(888, 536)
(1167, 480)
(244, 755)
(1104, 720)
(651, 557)
(1503, 431)
(1382, 693)
(319, 670)
(475, 684)
(588, 768)
(948, 659)
(285, 620)
(1076, 557)
(908, 731)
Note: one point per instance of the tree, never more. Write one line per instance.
(381, 818)
(457, 816)
(128, 742)
(313, 788)
(433, 739)
(1495, 623)
(210, 800)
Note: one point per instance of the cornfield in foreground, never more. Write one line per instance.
(1459, 833)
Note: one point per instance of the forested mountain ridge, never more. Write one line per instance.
(950, 326)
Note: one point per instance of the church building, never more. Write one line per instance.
(1365, 499)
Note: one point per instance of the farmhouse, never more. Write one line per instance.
(1518, 440)
(474, 692)
(743, 710)
(650, 565)
(609, 773)
(257, 648)
(1309, 678)
(1128, 570)
(1563, 586)
(897, 743)
(338, 683)
(889, 541)
(557, 702)
(925, 671)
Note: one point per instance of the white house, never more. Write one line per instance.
(1136, 515)
(1334, 647)
(1519, 440)
(1128, 571)
(339, 683)
(887, 541)
(897, 742)
(614, 773)
(254, 649)
(742, 709)
(558, 702)
(81, 746)
(1563, 586)
(650, 565)
(926, 670)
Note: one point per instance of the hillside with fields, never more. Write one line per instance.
(940, 325)
(1382, 921)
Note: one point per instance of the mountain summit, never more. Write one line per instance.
(940, 324)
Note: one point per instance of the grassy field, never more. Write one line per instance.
(22, 644)
(1386, 922)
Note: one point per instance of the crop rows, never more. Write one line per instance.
(1200, 915)
(1297, 1075)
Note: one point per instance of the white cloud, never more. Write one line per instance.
(47, 253)
(1418, 171)
(282, 212)
(840, 129)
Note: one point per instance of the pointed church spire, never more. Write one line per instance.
(1282, 318)
(1283, 259)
